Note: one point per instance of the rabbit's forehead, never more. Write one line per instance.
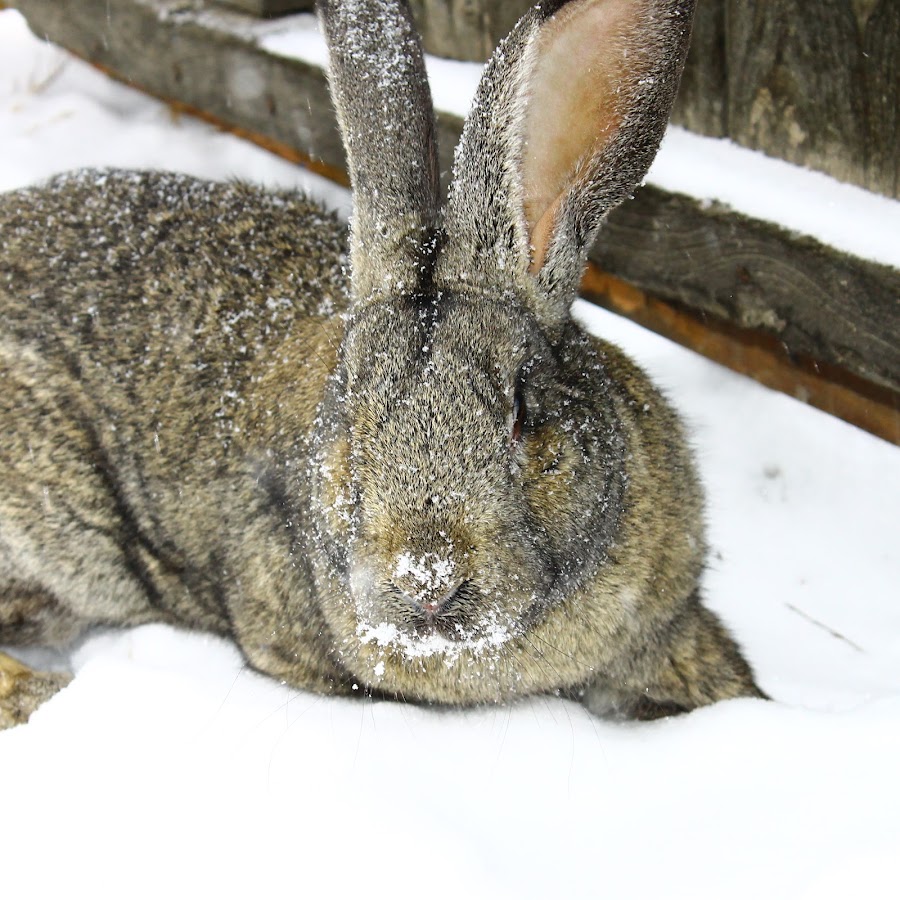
(440, 402)
(414, 388)
(486, 336)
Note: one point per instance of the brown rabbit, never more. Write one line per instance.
(425, 483)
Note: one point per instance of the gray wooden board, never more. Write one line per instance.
(816, 301)
(815, 84)
(465, 29)
(819, 302)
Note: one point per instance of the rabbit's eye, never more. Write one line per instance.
(519, 414)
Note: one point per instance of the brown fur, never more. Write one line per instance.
(22, 690)
(428, 482)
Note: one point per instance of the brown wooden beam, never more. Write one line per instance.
(829, 388)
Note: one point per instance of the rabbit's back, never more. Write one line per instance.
(155, 288)
(151, 254)
(141, 315)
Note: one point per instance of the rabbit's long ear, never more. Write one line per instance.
(565, 123)
(380, 91)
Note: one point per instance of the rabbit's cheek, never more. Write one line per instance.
(363, 591)
(335, 494)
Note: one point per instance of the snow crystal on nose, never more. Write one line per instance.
(431, 571)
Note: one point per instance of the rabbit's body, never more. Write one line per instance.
(425, 482)
(133, 485)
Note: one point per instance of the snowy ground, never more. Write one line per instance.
(165, 768)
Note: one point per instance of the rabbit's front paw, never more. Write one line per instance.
(22, 690)
(696, 662)
(603, 699)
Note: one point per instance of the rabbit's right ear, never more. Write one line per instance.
(565, 123)
(380, 91)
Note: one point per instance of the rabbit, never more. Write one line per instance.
(386, 464)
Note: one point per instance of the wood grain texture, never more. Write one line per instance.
(815, 86)
(465, 29)
(881, 52)
(701, 102)
(205, 58)
(753, 353)
(748, 280)
(819, 302)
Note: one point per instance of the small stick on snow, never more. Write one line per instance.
(822, 625)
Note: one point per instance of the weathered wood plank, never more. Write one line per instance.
(800, 90)
(818, 302)
(753, 353)
(205, 58)
(740, 276)
(815, 86)
(466, 29)
(881, 50)
(701, 103)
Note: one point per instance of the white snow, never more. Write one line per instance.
(168, 769)
(430, 571)
(487, 636)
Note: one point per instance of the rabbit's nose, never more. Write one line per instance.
(440, 604)
(430, 602)
(428, 582)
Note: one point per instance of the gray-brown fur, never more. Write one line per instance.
(426, 483)
(22, 690)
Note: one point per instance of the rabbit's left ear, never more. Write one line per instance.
(566, 121)
(380, 91)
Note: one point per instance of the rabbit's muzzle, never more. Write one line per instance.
(421, 601)
(425, 597)
(450, 612)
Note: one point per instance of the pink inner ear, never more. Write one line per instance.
(578, 94)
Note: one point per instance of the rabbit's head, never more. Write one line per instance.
(469, 472)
